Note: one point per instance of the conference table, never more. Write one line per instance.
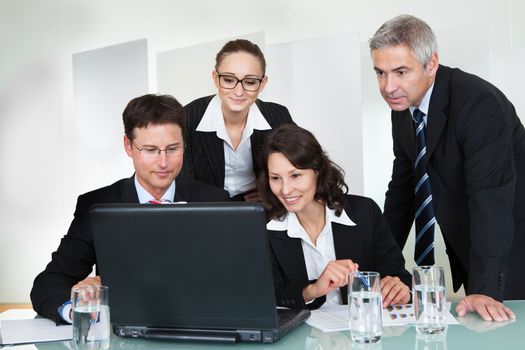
(472, 334)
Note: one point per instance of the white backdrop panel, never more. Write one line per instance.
(104, 81)
(322, 90)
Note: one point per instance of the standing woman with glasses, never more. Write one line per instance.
(224, 132)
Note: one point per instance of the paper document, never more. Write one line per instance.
(17, 314)
(336, 318)
(33, 331)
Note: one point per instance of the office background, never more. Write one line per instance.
(60, 110)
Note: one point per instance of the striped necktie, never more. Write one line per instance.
(425, 219)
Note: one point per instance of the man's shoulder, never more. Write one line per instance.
(191, 190)
(465, 84)
(110, 193)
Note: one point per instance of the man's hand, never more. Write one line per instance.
(88, 281)
(488, 308)
(394, 291)
(334, 276)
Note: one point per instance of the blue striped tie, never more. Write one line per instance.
(425, 219)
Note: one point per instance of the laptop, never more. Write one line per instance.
(197, 271)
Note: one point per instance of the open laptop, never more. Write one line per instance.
(198, 271)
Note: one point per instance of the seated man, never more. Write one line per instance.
(154, 139)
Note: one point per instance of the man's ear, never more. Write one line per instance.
(128, 147)
(433, 64)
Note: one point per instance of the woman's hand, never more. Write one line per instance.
(394, 291)
(334, 276)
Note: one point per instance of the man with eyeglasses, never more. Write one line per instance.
(154, 140)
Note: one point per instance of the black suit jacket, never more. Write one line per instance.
(369, 243)
(476, 165)
(74, 259)
(204, 151)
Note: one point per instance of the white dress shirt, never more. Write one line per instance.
(316, 257)
(424, 105)
(239, 176)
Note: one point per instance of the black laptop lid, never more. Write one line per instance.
(198, 265)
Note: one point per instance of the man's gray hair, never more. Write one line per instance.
(406, 30)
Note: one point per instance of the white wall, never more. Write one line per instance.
(38, 181)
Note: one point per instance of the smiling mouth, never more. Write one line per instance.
(291, 200)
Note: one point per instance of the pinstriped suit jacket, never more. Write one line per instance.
(204, 151)
(476, 165)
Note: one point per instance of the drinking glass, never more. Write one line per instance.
(364, 298)
(91, 324)
(429, 298)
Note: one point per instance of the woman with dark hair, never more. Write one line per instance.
(318, 233)
(224, 132)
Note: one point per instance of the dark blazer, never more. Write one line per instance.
(476, 165)
(369, 243)
(204, 151)
(74, 259)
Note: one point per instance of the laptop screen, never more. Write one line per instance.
(197, 265)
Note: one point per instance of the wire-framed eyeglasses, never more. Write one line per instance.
(154, 152)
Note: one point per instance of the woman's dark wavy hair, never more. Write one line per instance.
(301, 148)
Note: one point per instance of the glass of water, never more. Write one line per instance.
(91, 324)
(429, 298)
(364, 298)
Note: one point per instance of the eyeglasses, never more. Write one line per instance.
(154, 152)
(228, 81)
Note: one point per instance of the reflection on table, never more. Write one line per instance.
(472, 334)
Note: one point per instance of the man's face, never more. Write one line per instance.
(154, 171)
(403, 81)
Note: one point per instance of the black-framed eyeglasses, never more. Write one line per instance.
(154, 152)
(228, 81)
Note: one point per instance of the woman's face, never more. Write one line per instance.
(295, 188)
(239, 65)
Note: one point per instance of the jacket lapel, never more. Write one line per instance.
(214, 151)
(346, 247)
(128, 192)
(289, 252)
(256, 141)
(438, 103)
(403, 125)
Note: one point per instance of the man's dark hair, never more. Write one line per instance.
(152, 109)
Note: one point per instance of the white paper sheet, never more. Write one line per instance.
(33, 331)
(17, 314)
(336, 318)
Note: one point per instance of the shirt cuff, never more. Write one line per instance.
(64, 311)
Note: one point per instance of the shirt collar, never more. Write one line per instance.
(425, 102)
(145, 196)
(212, 119)
(289, 222)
